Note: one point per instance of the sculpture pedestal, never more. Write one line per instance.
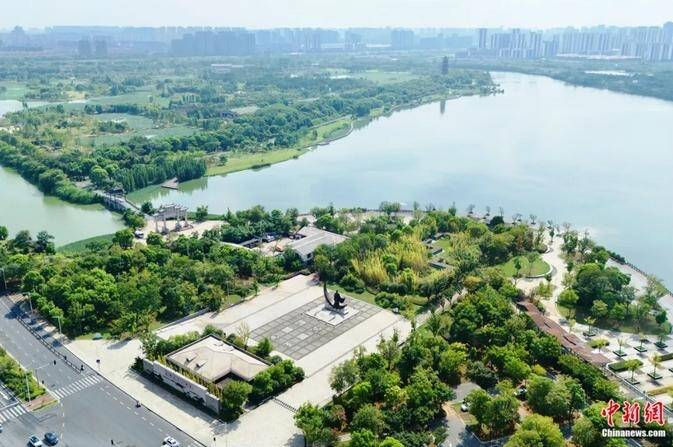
(331, 316)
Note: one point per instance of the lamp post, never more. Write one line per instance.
(59, 324)
(27, 386)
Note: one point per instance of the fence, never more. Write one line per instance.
(20, 317)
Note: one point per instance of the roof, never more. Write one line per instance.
(312, 238)
(571, 342)
(214, 359)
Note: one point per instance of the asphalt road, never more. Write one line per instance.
(90, 412)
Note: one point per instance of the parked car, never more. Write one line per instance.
(521, 392)
(51, 438)
(34, 441)
(465, 406)
(170, 442)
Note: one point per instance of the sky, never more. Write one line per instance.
(335, 13)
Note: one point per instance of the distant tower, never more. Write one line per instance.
(483, 38)
(445, 65)
(100, 48)
(84, 48)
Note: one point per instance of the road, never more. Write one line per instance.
(90, 410)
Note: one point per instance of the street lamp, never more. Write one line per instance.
(27, 386)
(59, 324)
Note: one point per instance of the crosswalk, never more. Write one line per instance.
(12, 412)
(74, 387)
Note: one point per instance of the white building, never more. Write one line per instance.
(310, 238)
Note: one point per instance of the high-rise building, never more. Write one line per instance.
(84, 47)
(402, 39)
(100, 48)
(445, 65)
(482, 38)
(668, 32)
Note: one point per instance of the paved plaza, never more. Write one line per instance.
(315, 343)
(298, 332)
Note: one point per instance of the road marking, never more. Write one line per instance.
(74, 387)
(12, 412)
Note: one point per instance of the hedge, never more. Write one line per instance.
(660, 390)
(664, 357)
(622, 366)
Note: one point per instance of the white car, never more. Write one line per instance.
(170, 442)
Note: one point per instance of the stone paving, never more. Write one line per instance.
(287, 304)
(297, 334)
(630, 341)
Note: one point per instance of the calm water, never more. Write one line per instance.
(24, 207)
(9, 105)
(594, 158)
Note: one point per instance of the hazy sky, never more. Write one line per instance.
(335, 13)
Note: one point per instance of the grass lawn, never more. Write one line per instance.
(366, 296)
(80, 246)
(136, 97)
(648, 327)
(172, 131)
(14, 90)
(416, 302)
(245, 110)
(243, 161)
(386, 77)
(540, 267)
(135, 122)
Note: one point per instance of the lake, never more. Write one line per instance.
(24, 207)
(598, 159)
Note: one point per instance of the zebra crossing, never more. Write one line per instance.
(12, 412)
(74, 387)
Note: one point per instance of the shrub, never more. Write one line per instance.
(392, 287)
(263, 348)
(352, 283)
(664, 357)
(621, 366)
(390, 301)
(274, 380)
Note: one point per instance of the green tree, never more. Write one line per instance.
(4, 233)
(516, 369)
(310, 419)
(389, 349)
(538, 431)
(364, 438)
(123, 238)
(568, 299)
(264, 348)
(451, 362)
(234, 395)
(599, 309)
(201, 213)
(147, 208)
(32, 281)
(390, 442)
(368, 417)
(344, 375)
(99, 177)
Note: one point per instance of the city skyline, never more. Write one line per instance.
(341, 14)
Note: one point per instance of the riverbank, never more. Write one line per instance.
(326, 133)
